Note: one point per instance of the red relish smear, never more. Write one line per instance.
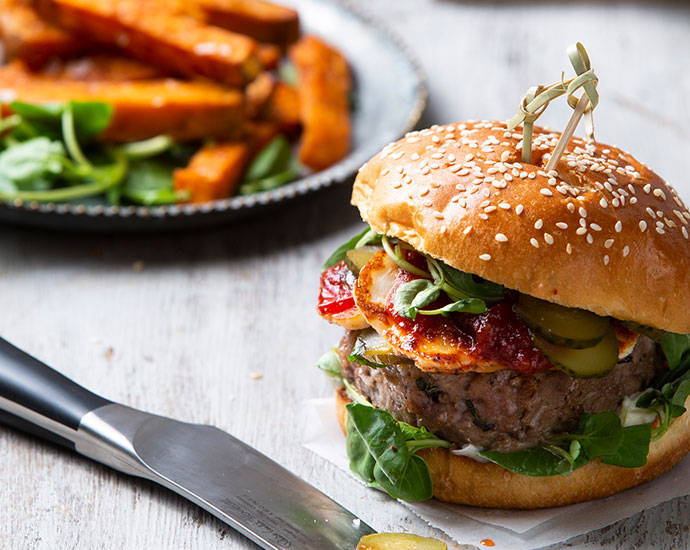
(335, 291)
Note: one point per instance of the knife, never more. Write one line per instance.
(218, 472)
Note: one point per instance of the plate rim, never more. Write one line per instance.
(333, 175)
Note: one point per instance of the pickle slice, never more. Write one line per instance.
(357, 258)
(563, 326)
(589, 362)
(399, 541)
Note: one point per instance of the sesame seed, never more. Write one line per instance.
(398, 155)
(501, 238)
(467, 230)
(562, 225)
(643, 225)
(582, 211)
(548, 238)
(684, 231)
(504, 206)
(603, 203)
(519, 209)
(505, 155)
(608, 243)
(606, 260)
(647, 188)
(659, 194)
(534, 242)
(489, 209)
(424, 171)
(546, 192)
(660, 230)
(469, 157)
(618, 227)
(414, 156)
(385, 171)
(485, 257)
(626, 251)
(581, 230)
(568, 248)
(571, 207)
(589, 238)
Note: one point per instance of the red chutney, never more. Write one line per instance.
(501, 336)
(496, 335)
(335, 292)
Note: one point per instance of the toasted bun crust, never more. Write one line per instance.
(604, 233)
(461, 480)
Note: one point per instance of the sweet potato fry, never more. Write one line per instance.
(283, 108)
(142, 109)
(163, 37)
(262, 20)
(104, 66)
(258, 134)
(324, 85)
(258, 92)
(214, 172)
(269, 55)
(28, 37)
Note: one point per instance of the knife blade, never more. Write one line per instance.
(231, 480)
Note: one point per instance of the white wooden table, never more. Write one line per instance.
(184, 335)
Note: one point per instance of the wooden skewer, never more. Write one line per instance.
(567, 134)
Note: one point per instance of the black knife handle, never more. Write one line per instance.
(38, 399)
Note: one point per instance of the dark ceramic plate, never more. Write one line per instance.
(391, 96)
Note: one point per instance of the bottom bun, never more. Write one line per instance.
(461, 480)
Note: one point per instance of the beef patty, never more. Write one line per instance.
(503, 410)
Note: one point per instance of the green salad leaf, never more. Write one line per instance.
(411, 297)
(150, 182)
(382, 452)
(364, 237)
(90, 118)
(274, 166)
(33, 164)
(633, 448)
(675, 347)
(600, 435)
(329, 363)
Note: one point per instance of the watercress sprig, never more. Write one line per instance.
(382, 452)
(468, 294)
(363, 238)
(599, 435)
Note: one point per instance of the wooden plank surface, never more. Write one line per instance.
(178, 323)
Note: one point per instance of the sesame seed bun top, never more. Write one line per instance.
(602, 232)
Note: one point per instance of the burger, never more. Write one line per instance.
(514, 337)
